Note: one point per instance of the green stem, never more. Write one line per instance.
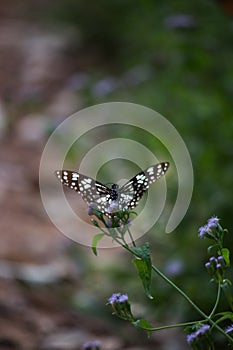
(180, 291)
(192, 303)
(216, 302)
(185, 296)
(131, 237)
(170, 326)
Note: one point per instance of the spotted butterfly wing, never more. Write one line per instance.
(108, 200)
(92, 191)
(133, 190)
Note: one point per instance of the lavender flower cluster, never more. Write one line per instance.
(205, 230)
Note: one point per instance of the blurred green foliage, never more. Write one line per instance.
(175, 57)
(185, 52)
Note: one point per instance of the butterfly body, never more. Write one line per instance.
(112, 199)
(114, 192)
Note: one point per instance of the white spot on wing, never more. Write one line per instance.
(150, 170)
(86, 186)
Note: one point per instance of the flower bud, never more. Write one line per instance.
(121, 306)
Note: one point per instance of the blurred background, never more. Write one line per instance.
(57, 57)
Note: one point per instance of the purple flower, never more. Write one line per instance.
(113, 206)
(221, 259)
(123, 298)
(203, 329)
(127, 222)
(78, 81)
(174, 267)
(213, 260)
(105, 86)
(109, 223)
(92, 345)
(205, 230)
(198, 333)
(216, 267)
(118, 298)
(113, 298)
(182, 21)
(213, 222)
(121, 306)
(229, 329)
(92, 209)
(191, 337)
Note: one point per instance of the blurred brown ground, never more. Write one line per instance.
(37, 274)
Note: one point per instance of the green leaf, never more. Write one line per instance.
(143, 252)
(226, 316)
(227, 282)
(226, 254)
(143, 265)
(143, 324)
(95, 241)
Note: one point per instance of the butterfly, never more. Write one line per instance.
(112, 199)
